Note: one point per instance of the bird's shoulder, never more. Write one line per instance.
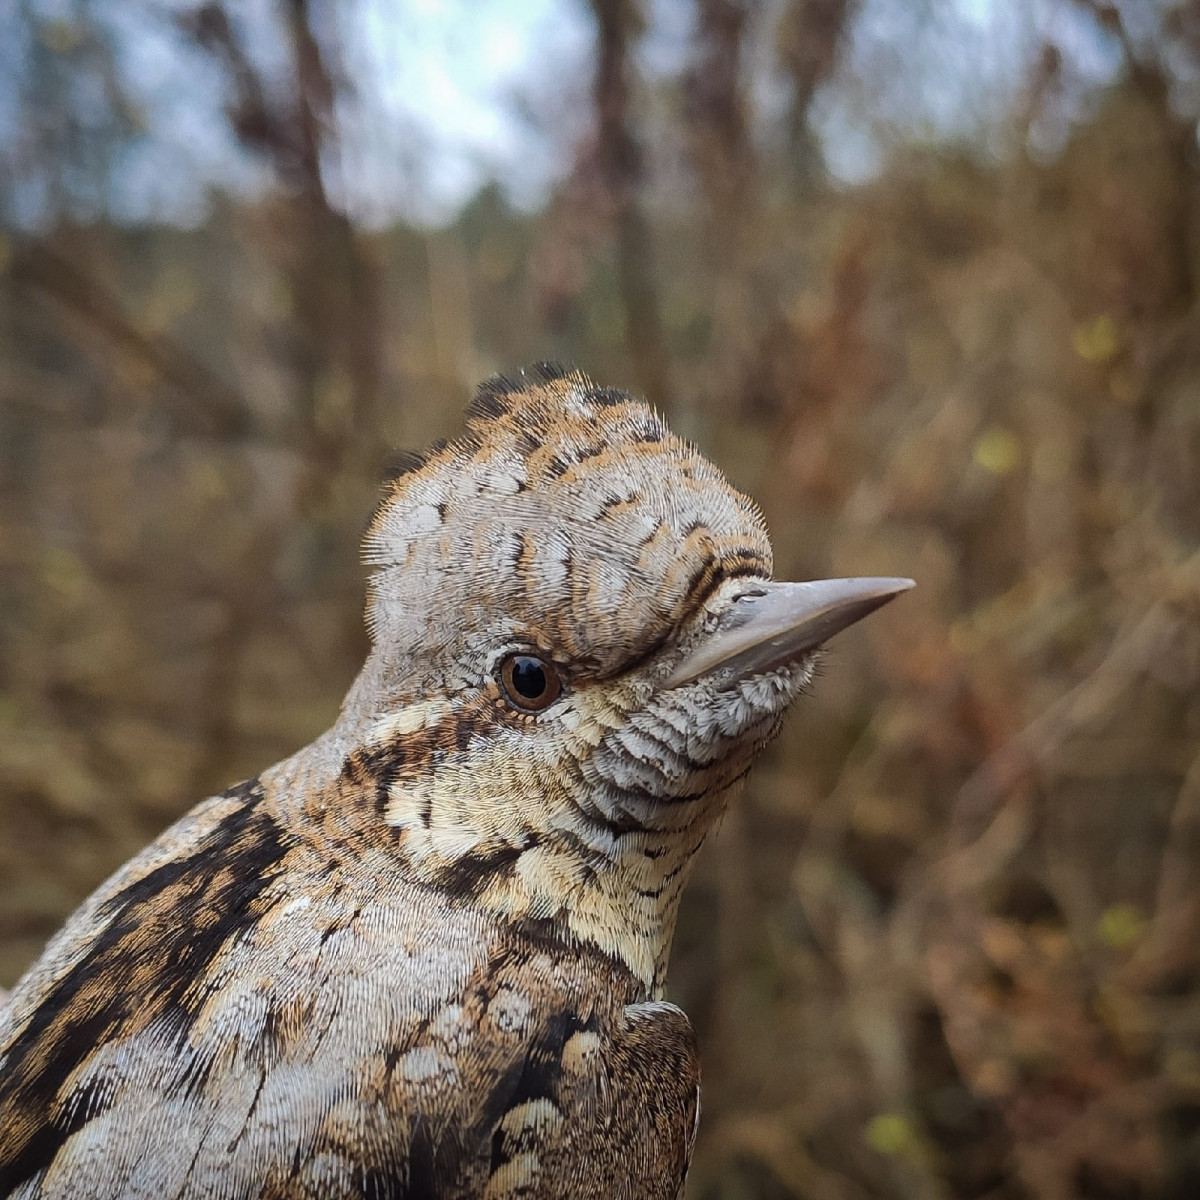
(226, 1015)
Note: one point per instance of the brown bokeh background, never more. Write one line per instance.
(949, 944)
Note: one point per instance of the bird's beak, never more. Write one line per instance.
(775, 623)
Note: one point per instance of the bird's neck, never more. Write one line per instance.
(519, 848)
(527, 830)
(530, 855)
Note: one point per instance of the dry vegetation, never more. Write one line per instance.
(949, 946)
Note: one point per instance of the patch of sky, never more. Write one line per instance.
(952, 71)
(443, 103)
(433, 99)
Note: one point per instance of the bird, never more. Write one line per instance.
(425, 956)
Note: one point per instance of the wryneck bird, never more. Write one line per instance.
(425, 956)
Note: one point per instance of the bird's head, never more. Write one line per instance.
(578, 650)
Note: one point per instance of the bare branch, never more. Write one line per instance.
(204, 403)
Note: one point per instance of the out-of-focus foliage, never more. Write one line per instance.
(949, 945)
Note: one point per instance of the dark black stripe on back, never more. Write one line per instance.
(165, 932)
(536, 1076)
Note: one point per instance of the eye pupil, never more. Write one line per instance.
(529, 678)
(529, 683)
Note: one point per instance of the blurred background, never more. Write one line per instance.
(921, 275)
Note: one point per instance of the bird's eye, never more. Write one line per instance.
(529, 683)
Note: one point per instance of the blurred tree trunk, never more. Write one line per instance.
(715, 113)
(332, 277)
(336, 282)
(716, 107)
(334, 338)
(1151, 76)
(809, 39)
(621, 165)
